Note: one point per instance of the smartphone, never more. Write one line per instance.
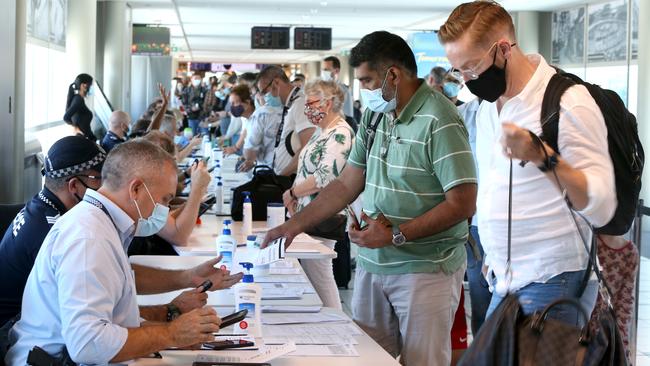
(219, 345)
(233, 318)
(353, 217)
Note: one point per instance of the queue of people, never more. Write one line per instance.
(430, 176)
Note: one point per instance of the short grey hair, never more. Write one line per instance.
(168, 125)
(326, 90)
(438, 74)
(131, 159)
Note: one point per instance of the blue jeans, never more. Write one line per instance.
(535, 296)
(479, 292)
(194, 125)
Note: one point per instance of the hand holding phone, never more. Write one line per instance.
(353, 217)
(233, 318)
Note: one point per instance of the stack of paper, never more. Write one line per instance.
(302, 318)
(265, 354)
(320, 333)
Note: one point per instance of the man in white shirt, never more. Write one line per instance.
(80, 297)
(259, 145)
(548, 255)
(295, 130)
(332, 71)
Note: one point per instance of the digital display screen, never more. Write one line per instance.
(270, 38)
(312, 39)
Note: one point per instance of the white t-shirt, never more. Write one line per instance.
(545, 242)
(295, 122)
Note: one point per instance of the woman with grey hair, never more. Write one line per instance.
(320, 162)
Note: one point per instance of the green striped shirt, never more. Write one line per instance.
(413, 161)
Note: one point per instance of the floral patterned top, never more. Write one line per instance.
(324, 157)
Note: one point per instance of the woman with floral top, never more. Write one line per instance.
(321, 161)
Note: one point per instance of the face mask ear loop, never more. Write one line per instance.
(149, 193)
(138, 208)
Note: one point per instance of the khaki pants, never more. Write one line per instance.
(410, 314)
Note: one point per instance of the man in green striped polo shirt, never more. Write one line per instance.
(418, 186)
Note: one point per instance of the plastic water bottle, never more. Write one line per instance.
(248, 214)
(218, 194)
(226, 246)
(248, 295)
(206, 146)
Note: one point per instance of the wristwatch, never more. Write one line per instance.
(173, 312)
(398, 238)
(550, 163)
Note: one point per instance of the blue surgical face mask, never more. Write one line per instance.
(91, 91)
(226, 91)
(374, 99)
(154, 223)
(219, 94)
(451, 89)
(178, 139)
(272, 101)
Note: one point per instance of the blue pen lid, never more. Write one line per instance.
(251, 237)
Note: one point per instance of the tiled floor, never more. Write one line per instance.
(643, 335)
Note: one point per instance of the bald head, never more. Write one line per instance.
(119, 123)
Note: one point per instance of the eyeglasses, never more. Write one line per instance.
(471, 73)
(99, 178)
(263, 91)
(309, 104)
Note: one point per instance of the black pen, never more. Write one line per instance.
(205, 286)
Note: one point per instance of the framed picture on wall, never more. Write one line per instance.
(568, 35)
(607, 32)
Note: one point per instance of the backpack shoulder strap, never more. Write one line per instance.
(373, 122)
(550, 115)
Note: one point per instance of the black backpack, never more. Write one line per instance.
(625, 148)
(265, 187)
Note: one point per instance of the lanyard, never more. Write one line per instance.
(93, 201)
(292, 98)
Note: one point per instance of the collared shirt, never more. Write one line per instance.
(426, 155)
(468, 112)
(545, 241)
(294, 122)
(111, 140)
(20, 245)
(81, 292)
(264, 125)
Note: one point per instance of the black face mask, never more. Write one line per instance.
(491, 84)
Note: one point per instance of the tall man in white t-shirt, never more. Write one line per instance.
(548, 256)
(295, 129)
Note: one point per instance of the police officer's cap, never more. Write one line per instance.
(72, 155)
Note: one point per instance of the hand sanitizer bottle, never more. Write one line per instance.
(226, 246)
(248, 214)
(248, 295)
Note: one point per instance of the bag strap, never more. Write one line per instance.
(550, 114)
(371, 130)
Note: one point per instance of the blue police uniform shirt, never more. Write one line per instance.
(19, 248)
(111, 140)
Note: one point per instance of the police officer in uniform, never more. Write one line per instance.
(72, 165)
(118, 124)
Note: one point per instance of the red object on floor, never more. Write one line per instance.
(459, 328)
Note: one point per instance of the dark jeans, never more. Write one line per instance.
(535, 296)
(479, 292)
